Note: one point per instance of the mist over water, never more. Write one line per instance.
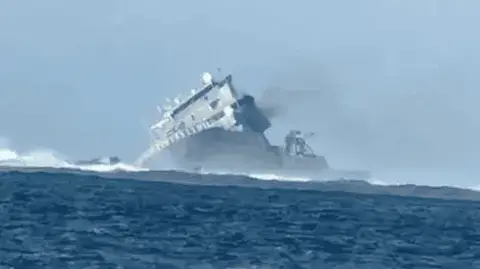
(391, 87)
(50, 158)
(417, 127)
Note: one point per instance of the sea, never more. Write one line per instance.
(61, 219)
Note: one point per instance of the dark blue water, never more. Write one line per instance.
(74, 221)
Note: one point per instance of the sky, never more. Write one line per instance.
(390, 86)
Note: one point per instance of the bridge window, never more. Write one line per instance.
(214, 104)
(217, 116)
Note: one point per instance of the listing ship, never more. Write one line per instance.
(217, 129)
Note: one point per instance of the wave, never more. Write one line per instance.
(260, 176)
(52, 159)
(50, 162)
(42, 174)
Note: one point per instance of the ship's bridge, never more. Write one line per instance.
(216, 105)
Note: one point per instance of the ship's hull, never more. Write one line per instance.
(221, 151)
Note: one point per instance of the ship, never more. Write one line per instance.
(217, 129)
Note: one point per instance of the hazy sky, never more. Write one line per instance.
(388, 85)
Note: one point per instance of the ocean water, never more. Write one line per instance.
(50, 220)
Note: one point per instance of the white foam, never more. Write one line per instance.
(278, 177)
(7, 154)
(475, 188)
(271, 176)
(111, 168)
(375, 181)
(260, 176)
(51, 158)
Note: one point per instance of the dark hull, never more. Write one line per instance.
(217, 150)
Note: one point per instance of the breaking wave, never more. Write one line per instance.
(48, 161)
(51, 159)
(260, 176)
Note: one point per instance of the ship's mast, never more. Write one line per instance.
(295, 144)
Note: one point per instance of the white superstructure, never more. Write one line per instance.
(216, 104)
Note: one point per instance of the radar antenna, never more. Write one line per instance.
(207, 78)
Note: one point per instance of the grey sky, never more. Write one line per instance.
(395, 82)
